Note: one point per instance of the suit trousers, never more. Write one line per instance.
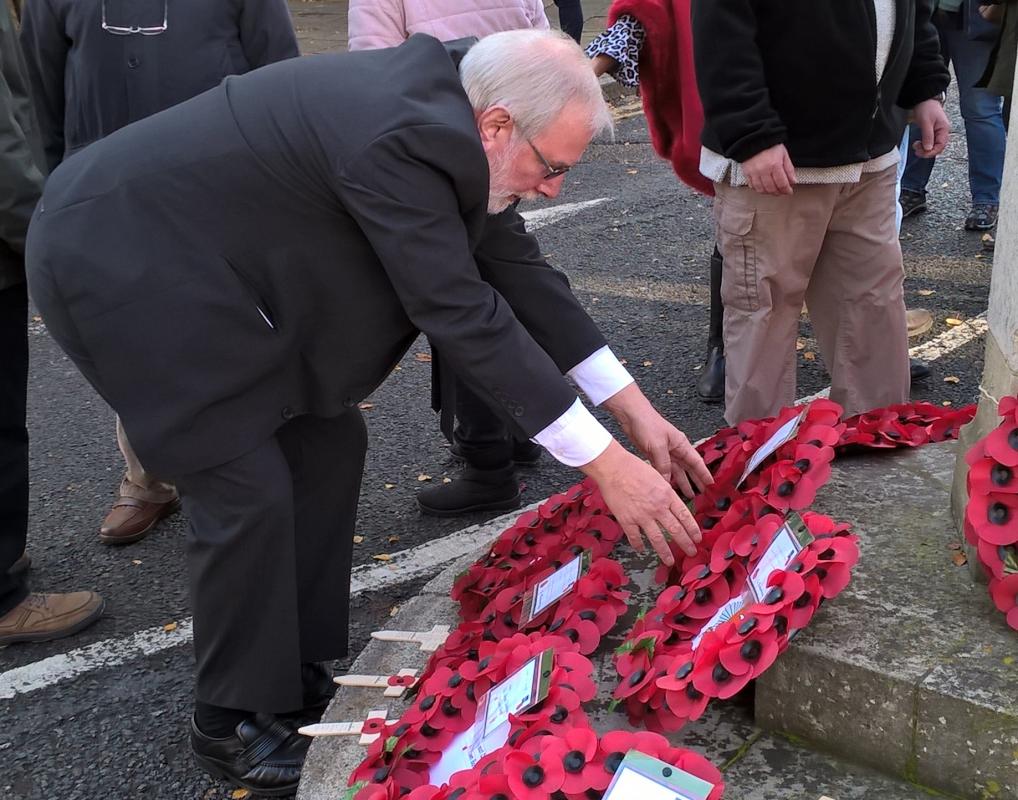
(269, 557)
(13, 440)
(836, 247)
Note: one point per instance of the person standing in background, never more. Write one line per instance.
(98, 65)
(24, 617)
(570, 18)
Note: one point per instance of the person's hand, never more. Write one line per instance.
(934, 126)
(668, 448)
(992, 13)
(603, 63)
(643, 503)
(770, 171)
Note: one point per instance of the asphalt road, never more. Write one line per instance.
(638, 262)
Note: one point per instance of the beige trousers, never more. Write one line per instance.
(835, 247)
(137, 483)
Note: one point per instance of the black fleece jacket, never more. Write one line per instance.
(802, 73)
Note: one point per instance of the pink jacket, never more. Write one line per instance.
(387, 23)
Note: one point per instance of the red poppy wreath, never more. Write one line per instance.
(722, 618)
(991, 517)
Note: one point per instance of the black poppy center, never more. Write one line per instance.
(702, 595)
(588, 615)
(427, 703)
(380, 775)
(1012, 439)
(998, 514)
(572, 635)
(723, 503)
(693, 693)
(747, 626)
(774, 595)
(802, 464)
(556, 624)
(455, 680)
(448, 708)
(803, 600)
(574, 761)
(720, 674)
(708, 523)
(533, 776)
(457, 794)
(636, 677)
(611, 764)
(561, 712)
(1001, 475)
(785, 489)
(683, 672)
(750, 651)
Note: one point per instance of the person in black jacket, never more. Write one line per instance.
(289, 235)
(24, 617)
(804, 106)
(97, 65)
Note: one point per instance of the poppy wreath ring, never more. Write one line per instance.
(552, 751)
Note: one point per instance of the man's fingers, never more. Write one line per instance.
(660, 544)
(767, 185)
(634, 536)
(684, 517)
(928, 136)
(661, 460)
(786, 162)
(681, 481)
(781, 180)
(696, 468)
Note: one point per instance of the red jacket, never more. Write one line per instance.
(668, 84)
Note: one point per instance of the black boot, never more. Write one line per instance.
(473, 490)
(918, 370)
(710, 386)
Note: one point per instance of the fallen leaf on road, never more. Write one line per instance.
(926, 292)
(423, 357)
(422, 477)
(952, 379)
(390, 485)
(952, 321)
(648, 363)
(960, 559)
(809, 355)
(946, 403)
(135, 561)
(631, 171)
(36, 318)
(365, 406)
(446, 480)
(393, 611)
(382, 557)
(393, 539)
(623, 361)
(170, 628)
(954, 545)
(358, 539)
(240, 794)
(800, 344)
(669, 391)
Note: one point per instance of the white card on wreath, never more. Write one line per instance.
(647, 778)
(788, 540)
(778, 438)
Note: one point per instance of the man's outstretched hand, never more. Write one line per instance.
(643, 502)
(667, 448)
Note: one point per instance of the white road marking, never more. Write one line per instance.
(937, 347)
(540, 217)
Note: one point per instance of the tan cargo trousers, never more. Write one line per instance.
(834, 246)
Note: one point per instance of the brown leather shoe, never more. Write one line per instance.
(130, 519)
(42, 617)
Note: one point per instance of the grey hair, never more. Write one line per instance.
(534, 75)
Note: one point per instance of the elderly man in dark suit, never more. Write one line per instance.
(274, 246)
(97, 65)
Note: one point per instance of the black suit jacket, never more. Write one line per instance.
(272, 247)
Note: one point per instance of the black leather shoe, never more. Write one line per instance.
(710, 386)
(525, 453)
(472, 490)
(918, 370)
(264, 756)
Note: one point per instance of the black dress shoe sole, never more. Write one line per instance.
(171, 508)
(711, 399)
(220, 770)
(496, 505)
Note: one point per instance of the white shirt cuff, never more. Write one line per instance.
(601, 375)
(575, 438)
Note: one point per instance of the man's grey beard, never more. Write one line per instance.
(499, 195)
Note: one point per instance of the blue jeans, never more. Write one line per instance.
(984, 123)
(570, 17)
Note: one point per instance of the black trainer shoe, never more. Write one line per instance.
(982, 217)
(912, 202)
(918, 370)
(264, 755)
(472, 490)
(710, 386)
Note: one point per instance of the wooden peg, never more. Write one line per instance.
(378, 682)
(350, 728)
(428, 640)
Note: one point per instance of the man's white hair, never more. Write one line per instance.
(534, 75)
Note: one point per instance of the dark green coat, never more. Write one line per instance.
(20, 152)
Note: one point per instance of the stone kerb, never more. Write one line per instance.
(910, 670)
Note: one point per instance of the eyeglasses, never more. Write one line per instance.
(120, 30)
(553, 172)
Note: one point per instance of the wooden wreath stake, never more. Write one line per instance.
(378, 682)
(428, 640)
(348, 728)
